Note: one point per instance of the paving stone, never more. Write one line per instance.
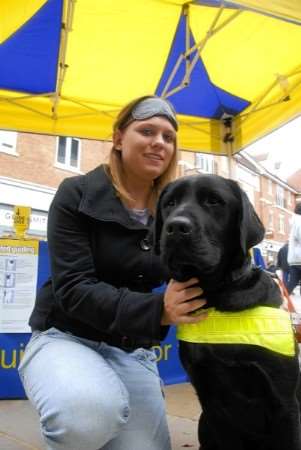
(19, 423)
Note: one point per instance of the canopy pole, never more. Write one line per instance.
(62, 66)
(283, 82)
(230, 163)
(196, 49)
(228, 139)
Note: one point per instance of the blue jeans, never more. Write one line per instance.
(91, 396)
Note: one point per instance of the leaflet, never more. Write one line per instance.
(18, 283)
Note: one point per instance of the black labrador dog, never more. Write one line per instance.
(204, 228)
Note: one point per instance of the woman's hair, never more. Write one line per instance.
(115, 169)
(298, 208)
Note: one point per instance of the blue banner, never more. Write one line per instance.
(12, 348)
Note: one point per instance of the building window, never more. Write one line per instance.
(270, 187)
(282, 224)
(271, 221)
(289, 198)
(280, 200)
(68, 153)
(204, 163)
(8, 142)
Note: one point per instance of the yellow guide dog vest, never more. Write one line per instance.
(268, 327)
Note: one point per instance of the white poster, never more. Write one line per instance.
(18, 283)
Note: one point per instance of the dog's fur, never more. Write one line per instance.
(204, 227)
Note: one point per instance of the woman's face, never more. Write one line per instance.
(147, 147)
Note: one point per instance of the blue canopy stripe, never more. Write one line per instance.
(30, 55)
(200, 97)
(218, 3)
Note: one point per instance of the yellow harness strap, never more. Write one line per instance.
(268, 327)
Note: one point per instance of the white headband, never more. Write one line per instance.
(155, 106)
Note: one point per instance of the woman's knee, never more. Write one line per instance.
(84, 422)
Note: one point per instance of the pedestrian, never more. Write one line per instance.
(282, 263)
(258, 259)
(271, 267)
(294, 250)
(89, 368)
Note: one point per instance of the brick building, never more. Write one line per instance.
(295, 181)
(32, 166)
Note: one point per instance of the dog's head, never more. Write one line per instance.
(204, 227)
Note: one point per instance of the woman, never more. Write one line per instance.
(89, 368)
(294, 250)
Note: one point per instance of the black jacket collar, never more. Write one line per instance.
(100, 201)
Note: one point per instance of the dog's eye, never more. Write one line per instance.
(213, 200)
(170, 203)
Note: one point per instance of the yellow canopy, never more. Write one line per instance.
(231, 69)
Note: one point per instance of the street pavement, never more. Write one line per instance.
(19, 423)
(19, 427)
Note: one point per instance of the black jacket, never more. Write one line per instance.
(103, 271)
(282, 258)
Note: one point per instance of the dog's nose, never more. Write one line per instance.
(180, 226)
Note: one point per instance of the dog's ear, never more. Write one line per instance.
(250, 226)
(158, 222)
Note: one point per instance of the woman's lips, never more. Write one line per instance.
(154, 157)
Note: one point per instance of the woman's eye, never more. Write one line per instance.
(146, 131)
(168, 138)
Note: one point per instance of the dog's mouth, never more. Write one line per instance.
(184, 271)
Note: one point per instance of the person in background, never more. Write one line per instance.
(257, 258)
(271, 267)
(294, 250)
(282, 263)
(89, 368)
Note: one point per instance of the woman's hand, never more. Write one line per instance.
(180, 300)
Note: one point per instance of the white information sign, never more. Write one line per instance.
(18, 283)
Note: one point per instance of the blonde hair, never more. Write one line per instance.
(115, 170)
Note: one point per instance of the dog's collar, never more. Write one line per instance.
(267, 327)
